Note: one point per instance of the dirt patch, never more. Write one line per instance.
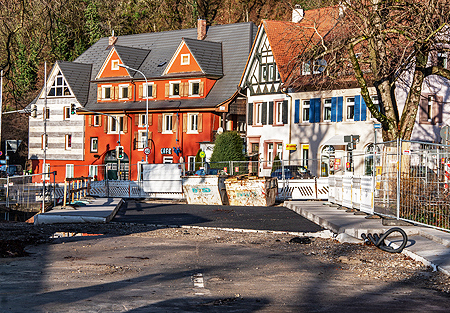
(361, 260)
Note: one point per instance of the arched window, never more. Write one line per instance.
(327, 161)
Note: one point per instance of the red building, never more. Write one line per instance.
(189, 85)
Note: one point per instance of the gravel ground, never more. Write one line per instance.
(362, 261)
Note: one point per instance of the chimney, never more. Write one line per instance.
(112, 39)
(297, 13)
(201, 28)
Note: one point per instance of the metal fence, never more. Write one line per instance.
(20, 194)
(412, 182)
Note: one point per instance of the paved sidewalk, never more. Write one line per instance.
(430, 246)
(96, 210)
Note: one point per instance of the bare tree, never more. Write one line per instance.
(378, 43)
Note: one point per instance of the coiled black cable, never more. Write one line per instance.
(378, 241)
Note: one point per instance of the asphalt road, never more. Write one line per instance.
(274, 218)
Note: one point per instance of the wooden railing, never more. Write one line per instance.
(76, 188)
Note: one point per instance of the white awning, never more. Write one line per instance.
(337, 140)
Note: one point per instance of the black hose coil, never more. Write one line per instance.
(378, 241)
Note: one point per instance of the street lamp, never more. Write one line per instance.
(146, 104)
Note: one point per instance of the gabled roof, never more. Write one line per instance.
(235, 41)
(289, 40)
(207, 54)
(132, 57)
(77, 76)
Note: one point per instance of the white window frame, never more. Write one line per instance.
(115, 65)
(69, 171)
(258, 113)
(279, 150)
(96, 120)
(270, 153)
(145, 90)
(68, 141)
(191, 163)
(167, 124)
(121, 91)
(192, 123)
(142, 142)
(110, 87)
(279, 112)
(264, 72)
(306, 68)
(188, 59)
(167, 160)
(93, 170)
(171, 88)
(91, 149)
(271, 76)
(326, 107)
(348, 104)
(306, 104)
(142, 120)
(430, 105)
(118, 124)
(66, 113)
(56, 86)
(191, 88)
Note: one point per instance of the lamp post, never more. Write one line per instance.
(146, 104)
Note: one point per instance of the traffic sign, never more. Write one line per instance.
(377, 126)
(1, 153)
(202, 154)
(147, 150)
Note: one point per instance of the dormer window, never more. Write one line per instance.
(59, 87)
(115, 65)
(185, 59)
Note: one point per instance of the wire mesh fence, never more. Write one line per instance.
(412, 182)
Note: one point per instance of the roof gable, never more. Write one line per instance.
(182, 61)
(77, 76)
(132, 57)
(289, 40)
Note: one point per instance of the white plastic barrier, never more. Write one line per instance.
(367, 193)
(356, 192)
(338, 190)
(347, 191)
(332, 189)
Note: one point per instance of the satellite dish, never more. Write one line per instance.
(219, 130)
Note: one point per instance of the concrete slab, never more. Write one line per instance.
(427, 245)
(98, 210)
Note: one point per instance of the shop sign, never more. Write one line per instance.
(166, 150)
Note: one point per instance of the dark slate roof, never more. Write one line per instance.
(208, 55)
(132, 57)
(235, 39)
(78, 77)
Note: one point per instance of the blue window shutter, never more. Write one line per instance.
(311, 110)
(333, 109)
(316, 102)
(340, 104)
(363, 109)
(357, 108)
(297, 111)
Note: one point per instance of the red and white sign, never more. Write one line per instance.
(147, 150)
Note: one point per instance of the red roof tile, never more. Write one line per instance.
(290, 40)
